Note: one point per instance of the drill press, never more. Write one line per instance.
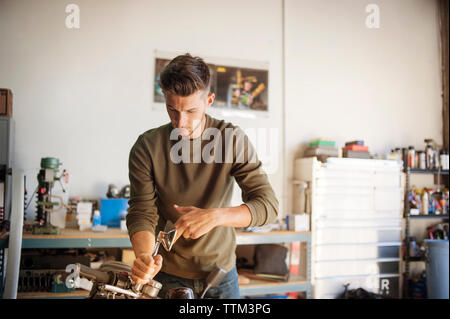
(46, 179)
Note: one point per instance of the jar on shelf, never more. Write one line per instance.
(425, 203)
(417, 161)
(422, 160)
(436, 161)
(411, 157)
(429, 154)
(444, 159)
(398, 154)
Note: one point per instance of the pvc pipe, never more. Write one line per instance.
(15, 235)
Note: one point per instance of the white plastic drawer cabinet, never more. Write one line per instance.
(356, 222)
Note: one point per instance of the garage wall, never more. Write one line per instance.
(84, 95)
(346, 81)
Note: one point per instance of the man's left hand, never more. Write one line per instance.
(195, 222)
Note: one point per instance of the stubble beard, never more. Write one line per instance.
(190, 132)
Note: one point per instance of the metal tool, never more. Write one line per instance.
(166, 238)
(214, 279)
(46, 179)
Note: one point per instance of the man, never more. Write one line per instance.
(191, 190)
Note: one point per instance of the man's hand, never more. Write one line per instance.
(145, 267)
(195, 222)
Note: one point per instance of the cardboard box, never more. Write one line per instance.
(5, 102)
(128, 256)
(310, 151)
(297, 222)
(354, 154)
(356, 148)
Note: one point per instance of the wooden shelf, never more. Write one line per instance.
(74, 238)
(263, 287)
(114, 233)
(116, 238)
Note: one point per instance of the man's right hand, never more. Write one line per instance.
(145, 267)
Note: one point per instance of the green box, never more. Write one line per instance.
(321, 143)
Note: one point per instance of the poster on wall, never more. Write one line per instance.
(235, 87)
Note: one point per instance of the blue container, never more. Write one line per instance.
(437, 268)
(112, 210)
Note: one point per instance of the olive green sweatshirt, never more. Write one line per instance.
(165, 169)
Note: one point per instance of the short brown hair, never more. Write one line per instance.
(185, 75)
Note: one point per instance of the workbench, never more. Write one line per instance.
(115, 238)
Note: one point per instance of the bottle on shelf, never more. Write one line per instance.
(422, 160)
(431, 201)
(413, 248)
(424, 202)
(444, 201)
(411, 157)
(429, 154)
(398, 154)
(443, 204)
(444, 159)
(404, 156)
(416, 160)
(391, 155)
(415, 202)
(436, 161)
(97, 219)
(436, 208)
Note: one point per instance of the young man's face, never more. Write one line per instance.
(188, 112)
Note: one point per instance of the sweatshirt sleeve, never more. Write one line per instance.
(257, 193)
(142, 211)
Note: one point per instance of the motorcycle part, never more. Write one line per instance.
(181, 293)
(214, 279)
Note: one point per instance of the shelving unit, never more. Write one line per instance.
(72, 238)
(7, 133)
(425, 171)
(407, 259)
(356, 218)
(295, 283)
(427, 216)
